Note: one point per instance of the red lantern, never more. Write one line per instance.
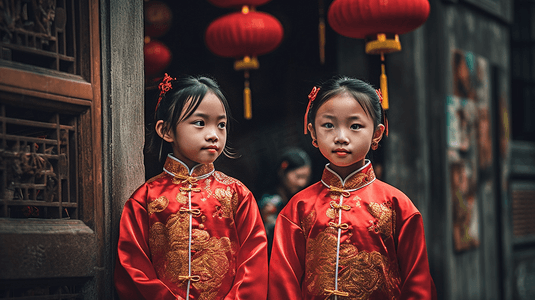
(244, 35)
(238, 34)
(157, 57)
(237, 3)
(380, 22)
(158, 18)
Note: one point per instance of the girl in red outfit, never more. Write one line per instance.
(349, 236)
(191, 232)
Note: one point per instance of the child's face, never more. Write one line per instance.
(296, 180)
(344, 133)
(201, 137)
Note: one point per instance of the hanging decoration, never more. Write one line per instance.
(157, 55)
(379, 22)
(321, 31)
(158, 18)
(244, 35)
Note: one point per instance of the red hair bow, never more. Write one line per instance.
(311, 98)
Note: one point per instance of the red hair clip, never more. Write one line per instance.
(311, 98)
(164, 87)
(380, 95)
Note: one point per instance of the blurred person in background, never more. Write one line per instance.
(293, 174)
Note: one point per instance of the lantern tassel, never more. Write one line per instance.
(384, 87)
(321, 31)
(322, 41)
(247, 101)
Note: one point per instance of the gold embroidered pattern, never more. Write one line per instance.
(157, 205)
(177, 168)
(357, 201)
(207, 189)
(202, 170)
(224, 179)
(385, 219)
(229, 202)
(181, 198)
(356, 181)
(331, 213)
(360, 274)
(211, 256)
(360, 179)
(320, 262)
(307, 222)
(210, 262)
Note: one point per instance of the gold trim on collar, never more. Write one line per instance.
(176, 168)
(353, 182)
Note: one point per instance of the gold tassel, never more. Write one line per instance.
(384, 86)
(247, 101)
(321, 30)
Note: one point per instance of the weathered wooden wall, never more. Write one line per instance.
(122, 110)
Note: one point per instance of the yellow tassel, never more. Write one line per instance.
(247, 103)
(321, 29)
(384, 87)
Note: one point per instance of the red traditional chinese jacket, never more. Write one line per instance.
(222, 255)
(357, 238)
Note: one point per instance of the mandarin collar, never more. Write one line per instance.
(175, 167)
(354, 181)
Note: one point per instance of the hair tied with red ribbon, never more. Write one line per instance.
(164, 87)
(311, 98)
(385, 120)
(380, 95)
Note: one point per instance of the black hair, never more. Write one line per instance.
(293, 158)
(363, 92)
(173, 102)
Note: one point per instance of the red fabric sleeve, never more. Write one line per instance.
(135, 277)
(287, 264)
(251, 278)
(414, 265)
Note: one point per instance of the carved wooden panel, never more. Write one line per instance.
(37, 164)
(41, 33)
(51, 218)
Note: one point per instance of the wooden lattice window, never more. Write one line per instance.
(51, 209)
(37, 151)
(41, 33)
(523, 212)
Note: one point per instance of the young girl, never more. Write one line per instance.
(349, 236)
(191, 232)
(293, 174)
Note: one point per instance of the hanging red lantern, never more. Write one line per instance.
(244, 35)
(157, 57)
(238, 34)
(380, 22)
(237, 3)
(158, 18)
